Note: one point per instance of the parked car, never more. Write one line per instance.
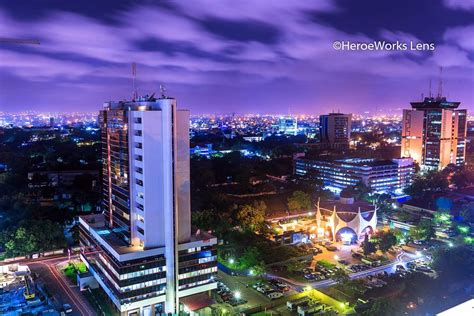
(274, 295)
(67, 308)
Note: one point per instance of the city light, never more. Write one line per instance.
(231, 261)
(237, 295)
(346, 238)
(251, 272)
(336, 257)
(308, 288)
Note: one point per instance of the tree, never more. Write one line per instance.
(423, 185)
(259, 269)
(454, 262)
(423, 231)
(252, 216)
(467, 212)
(362, 191)
(386, 240)
(384, 307)
(299, 201)
(368, 246)
(250, 258)
(340, 276)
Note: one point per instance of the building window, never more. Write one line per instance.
(138, 145)
(138, 120)
(138, 133)
(139, 182)
(141, 231)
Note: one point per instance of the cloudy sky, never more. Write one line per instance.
(234, 56)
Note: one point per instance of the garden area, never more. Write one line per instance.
(72, 269)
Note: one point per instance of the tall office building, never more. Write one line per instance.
(141, 249)
(288, 125)
(335, 129)
(434, 133)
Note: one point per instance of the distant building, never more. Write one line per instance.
(381, 176)
(253, 138)
(335, 129)
(204, 150)
(434, 133)
(288, 125)
(141, 249)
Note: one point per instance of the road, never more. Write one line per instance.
(62, 289)
(402, 258)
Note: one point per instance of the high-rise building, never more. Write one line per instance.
(141, 249)
(434, 133)
(380, 176)
(335, 129)
(288, 125)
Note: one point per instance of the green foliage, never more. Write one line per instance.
(385, 240)
(423, 231)
(340, 276)
(250, 258)
(251, 216)
(454, 262)
(33, 236)
(424, 185)
(442, 218)
(383, 306)
(467, 212)
(367, 246)
(299, 201)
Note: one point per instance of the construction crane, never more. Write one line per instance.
(6, 40)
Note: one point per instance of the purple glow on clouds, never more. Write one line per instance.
(83, 61)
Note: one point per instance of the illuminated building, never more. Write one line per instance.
(346, 219)
(381, 176)
(288, 125)
(434, 133)
(141, 249)
(335, 129)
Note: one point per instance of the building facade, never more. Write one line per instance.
(381, 176)
(288, 125)
(434, 133)
(141, 249)
(335, 129)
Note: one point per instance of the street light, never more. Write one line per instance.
(231, 260)
(308, 288)
(251, 272)
(336, 257)
(237, 295)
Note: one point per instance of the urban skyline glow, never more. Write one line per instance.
(232, 58)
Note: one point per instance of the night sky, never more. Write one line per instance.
(234, 56)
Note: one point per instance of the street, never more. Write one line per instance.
(61, 289)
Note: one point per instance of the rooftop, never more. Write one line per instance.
(435, 103)
(121, 249)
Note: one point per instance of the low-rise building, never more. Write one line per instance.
(381, 176)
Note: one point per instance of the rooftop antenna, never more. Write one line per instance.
(134, 76)
(440, 83)
(163, 91)
(430, 90)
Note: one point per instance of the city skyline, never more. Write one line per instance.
(286, 64)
